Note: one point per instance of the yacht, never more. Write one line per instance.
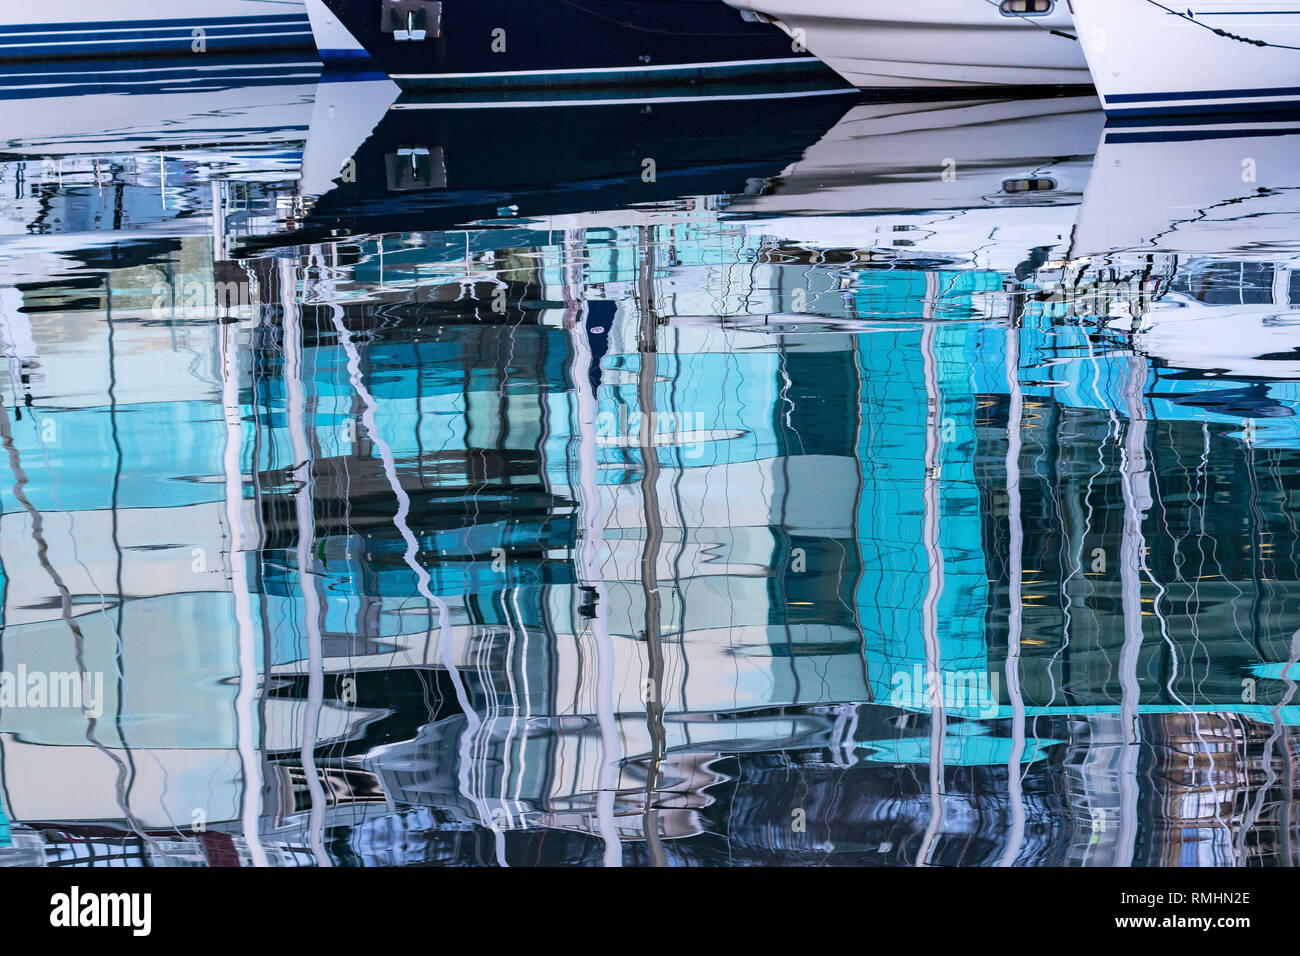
(940, 43)
(94, 29)
(596, 44)
(1227, 56)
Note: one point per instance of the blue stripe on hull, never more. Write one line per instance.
(1211, 109)
(332, 56)
(1268, 101)
(146, 29)
(1192, 135)
(1258, 93)
(178, 23)
(116, 39)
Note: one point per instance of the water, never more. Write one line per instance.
(854, 483)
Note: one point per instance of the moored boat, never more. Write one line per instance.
(941, 43)
(1226, 56)
(499, 44)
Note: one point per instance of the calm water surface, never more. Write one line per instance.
(784, 481)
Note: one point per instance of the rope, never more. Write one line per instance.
(1223, 33)
(1032, 21)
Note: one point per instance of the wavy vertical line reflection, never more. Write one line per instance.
(423, 580)
(804, 470)
(65, 611)
(933, 591)
(304, 461)
(585, 411)
(1015, 600)
(248, 725)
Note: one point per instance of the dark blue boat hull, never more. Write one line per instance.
(438, 168)
(546, 44)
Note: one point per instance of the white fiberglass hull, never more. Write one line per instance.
(114, 29)
(933, 43)
(1149, 58)
(95, 29)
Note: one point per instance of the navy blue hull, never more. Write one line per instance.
(541, 44)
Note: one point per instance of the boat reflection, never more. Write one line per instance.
(1210, 188)
(991, 183)
(439, 165)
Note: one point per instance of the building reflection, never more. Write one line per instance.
(668, 541)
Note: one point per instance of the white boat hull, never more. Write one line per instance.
(933, 43)
(1152, 59)
(93, 29)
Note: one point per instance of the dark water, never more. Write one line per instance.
(853, 484)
